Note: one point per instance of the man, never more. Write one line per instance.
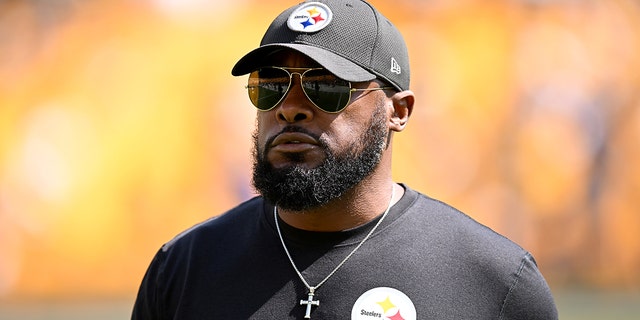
(332, 236)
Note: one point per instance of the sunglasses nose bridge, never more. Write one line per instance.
(291, 78)
(293, 82)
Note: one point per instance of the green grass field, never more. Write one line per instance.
(572, 306)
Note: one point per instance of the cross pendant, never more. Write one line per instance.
(309, 302)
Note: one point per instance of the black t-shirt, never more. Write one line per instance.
(425, 261)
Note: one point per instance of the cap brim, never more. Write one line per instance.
(336, 64)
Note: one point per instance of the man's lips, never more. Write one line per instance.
(293, 142)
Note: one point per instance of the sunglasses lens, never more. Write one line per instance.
(267, 87)
(326, 91)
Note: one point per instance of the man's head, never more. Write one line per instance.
(331, 80)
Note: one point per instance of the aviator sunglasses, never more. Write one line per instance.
(268, 86)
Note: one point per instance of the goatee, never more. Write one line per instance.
(299, 188)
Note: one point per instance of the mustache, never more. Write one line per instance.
(299, 129)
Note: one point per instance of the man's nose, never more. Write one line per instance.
(295, 106)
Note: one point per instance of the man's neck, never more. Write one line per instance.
(363, 203)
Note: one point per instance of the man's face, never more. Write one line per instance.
(305, 157)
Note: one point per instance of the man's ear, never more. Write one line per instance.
(403, 106)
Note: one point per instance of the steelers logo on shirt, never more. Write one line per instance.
(383, 303)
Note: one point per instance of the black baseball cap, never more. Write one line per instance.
(350, 38)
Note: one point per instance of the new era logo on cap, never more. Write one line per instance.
(395, 67)
(310, 17)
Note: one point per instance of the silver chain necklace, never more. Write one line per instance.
(310, 302)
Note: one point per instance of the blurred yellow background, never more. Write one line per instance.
(120, 126)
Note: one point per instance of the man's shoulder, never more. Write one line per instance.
(219, 225)
(451, 237)
(460, 229)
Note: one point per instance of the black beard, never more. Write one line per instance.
(298, 188)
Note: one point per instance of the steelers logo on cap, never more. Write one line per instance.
(310, 17)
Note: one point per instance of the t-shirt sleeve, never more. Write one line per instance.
(147, 304)
(529, 297)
